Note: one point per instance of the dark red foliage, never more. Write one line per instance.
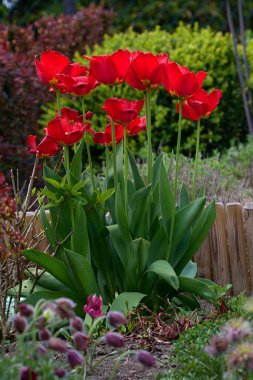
(21, 92)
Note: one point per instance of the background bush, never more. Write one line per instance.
(199, 49)
(21, 93)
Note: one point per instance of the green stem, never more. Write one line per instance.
(107, 161)
(58, 101)
(149, 133)
(196, 162)
(125, 170)
(66, 160)
(176, 175)
(88, 149)
(114, 148)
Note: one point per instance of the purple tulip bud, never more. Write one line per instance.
(44, 334)
(26, 310)
(116, 319)
(19, 323)
(114, 339)
(57, 344)
(27, 373)
(64, 308)
(75, 358)
(60, 372)
(41, 350)
(145, 358)
(94, 306)
(81, 341)
(77, 324)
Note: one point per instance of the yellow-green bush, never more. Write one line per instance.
(198, 49)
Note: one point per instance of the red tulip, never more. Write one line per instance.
(180, 81)
(49, 65)
(47, 147)
(105, 138)
(201, 104)
(123, 111)
(110, 69)
(94, 306)
(145, 70)
(76, 80)
(68, 128)
(136, 126)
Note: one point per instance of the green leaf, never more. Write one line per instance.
(121, 217)
(53, 182)
(80, 236)
(119, 243)
(165, 271)
(47, 281)
(76, 166)
(138, 214)
(26, 289)
(81, 274)
(190, 270)
(48, 295)
(184, 196)
(166, 198)
(126, 301)
(49, 173)
(137, 262)
(197, 287)
(157, 169)
(53, 265)
(102, 196)
(138, 181)
(159, 246)
(47, 228)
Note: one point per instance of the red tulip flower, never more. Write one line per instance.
(47, 147)
(145, 70)
(136, 126)
(76, 80)
(49, 65)
(105, 137)
(180, 81)
(201, 104)
(68, 128)
(123, 111)
(110, 69)
(94, 306)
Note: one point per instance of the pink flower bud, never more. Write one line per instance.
(57, 344)
(145, 358)
(41, 350)
(81, 341)
(44, 334)
(94, 306)
(64, 308)
(27, 373)
(116, 319)
(19, 323)
(26, 310)
(75, 358)
(77, 324)
(60, 372)
(88, 115)
(114, 339)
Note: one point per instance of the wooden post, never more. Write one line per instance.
(248, 219)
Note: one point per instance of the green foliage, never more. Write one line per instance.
(198, 49)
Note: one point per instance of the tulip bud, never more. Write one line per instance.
(26, 310)
(94, 306)
(60, 372)
(41, 350)
(64, 308)
(27, 373)
(57, 344)
(116, 319)
(44, 334)
(77, 324)
(114, 339)
(145, 358)
(88, 115)
(19, 323)
(81, 341)
(75, 358)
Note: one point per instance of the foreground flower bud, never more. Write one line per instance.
(75, 358)
(114, 339)
(77, 324)
(57, 344)
(26, 310)
(145, 358)
(88, 115)
(94, 306)
(64, 307)
(218, 344)
(81, 341)
(27, 373)
(19, 323)
(44, 334)
(41, 350)
(60, 372)
(116, 319)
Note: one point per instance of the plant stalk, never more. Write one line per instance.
(195, 173)
(88, 149)
(58, 101)
(149, 133)
(125, 171)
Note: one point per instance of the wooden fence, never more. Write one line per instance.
(226, 256)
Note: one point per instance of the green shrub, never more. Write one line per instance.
(199, 49)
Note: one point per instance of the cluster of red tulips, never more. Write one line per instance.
(142, 71)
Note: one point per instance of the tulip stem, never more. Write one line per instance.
(66, 159)
(149, 133)
(125, 170)
(88, 149)
(196, 162)
(107, 161)
(114, 149)
(172, 224)
(58, 101)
